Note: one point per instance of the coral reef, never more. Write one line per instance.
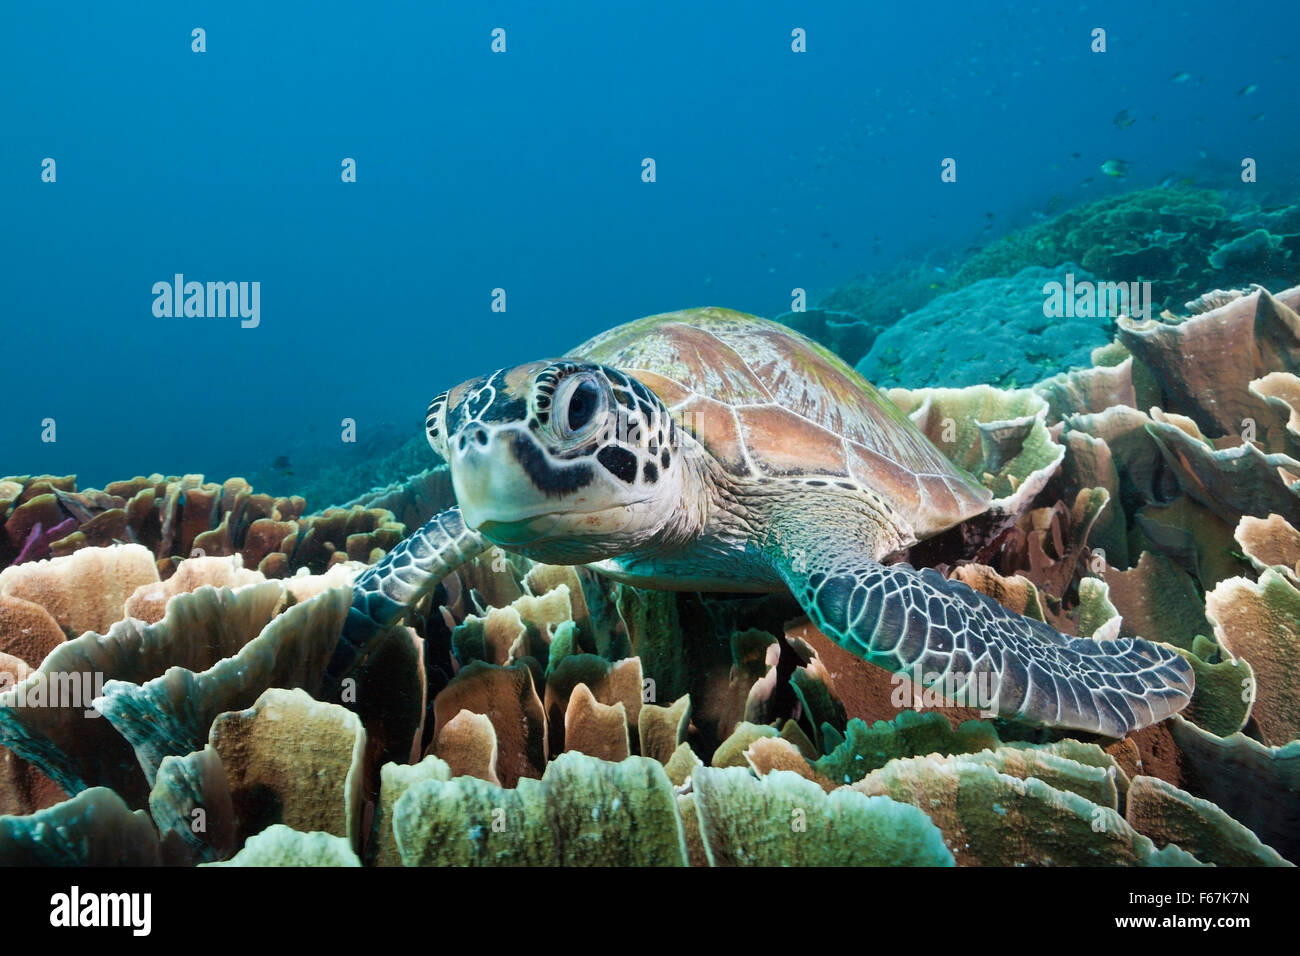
(993, 331)
(529, 714)
(850, 316)
(1185, 240)
(913, 324)
(185, 517)
(849, 335)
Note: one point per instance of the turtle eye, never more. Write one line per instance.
(580, 407)
(435, 425)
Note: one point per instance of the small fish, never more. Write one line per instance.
(1247, 89)
(1075, 155)
(1124, 119)
(1182, 76)
(1202, 152)
(1257, 117)
(1115, 167)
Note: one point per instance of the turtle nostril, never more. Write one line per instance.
(470, 437)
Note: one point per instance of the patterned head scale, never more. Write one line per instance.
(555, 447)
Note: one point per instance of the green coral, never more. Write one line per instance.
(851, 315)
(910, 733)
(1254, 784)
(1246, 252)
(583, 812)
(996, 819)
(279, 845)
(993, 332)
(846, 334)
(171, 714)
(395, 780)
(784, 820)
(1095, 608)
(997, 436)
(1221, 700)
(94, 828)
(1171, 816)
(731, 752)
(1185, 239)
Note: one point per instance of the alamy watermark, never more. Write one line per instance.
(920, 690)
(75, 908)
(71, 689)
(211, 300)
(1088, 299)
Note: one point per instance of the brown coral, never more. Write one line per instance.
(182, 517)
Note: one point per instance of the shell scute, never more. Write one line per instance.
(791, 444)
(798, 409)
(715, 426)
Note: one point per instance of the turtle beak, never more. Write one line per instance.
(508, 533)
(481, 474)
(494, 492)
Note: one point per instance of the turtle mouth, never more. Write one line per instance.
(526, 529)
(531, 528)
(506, 533)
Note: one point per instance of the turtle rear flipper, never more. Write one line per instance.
(381, 595)
(943, 632)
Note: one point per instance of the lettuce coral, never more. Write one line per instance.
(994, 332)
(534, 714)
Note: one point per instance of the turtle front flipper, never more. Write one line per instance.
(944, 633)
(382, 594)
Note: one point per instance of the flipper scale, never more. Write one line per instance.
(908, 620)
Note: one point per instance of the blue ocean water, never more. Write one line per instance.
(522, 171)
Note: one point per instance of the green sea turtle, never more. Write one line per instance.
(708, 450)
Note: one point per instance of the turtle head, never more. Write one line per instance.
(567, 462)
